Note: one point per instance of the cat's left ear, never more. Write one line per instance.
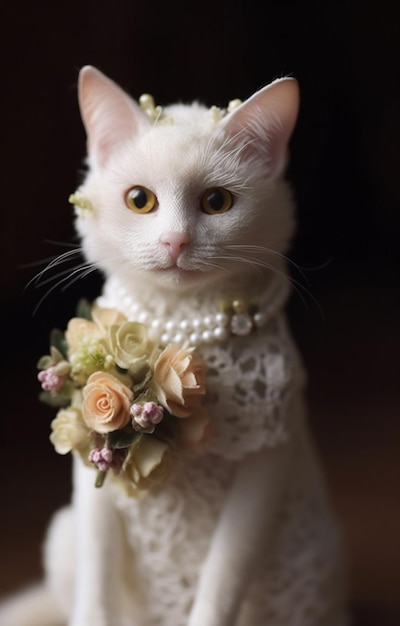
(263, 125)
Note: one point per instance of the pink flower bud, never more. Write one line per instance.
(102, 457)
(136, 410)
(146, 415)
(50, 380)
(95, 456)
(106, 454)
(153, 412)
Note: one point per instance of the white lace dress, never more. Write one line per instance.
(251, 382)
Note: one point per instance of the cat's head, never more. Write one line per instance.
(191, 197)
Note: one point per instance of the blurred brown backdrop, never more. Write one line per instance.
(345, 168)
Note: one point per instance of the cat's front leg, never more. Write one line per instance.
(241, 537)
(98, 552)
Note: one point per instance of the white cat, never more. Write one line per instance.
(181, 209)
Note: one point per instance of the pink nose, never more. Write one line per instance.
(175, 243)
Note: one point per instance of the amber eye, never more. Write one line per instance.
(217, 200)
(140, 199)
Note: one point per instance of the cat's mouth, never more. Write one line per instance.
(178, 275)
(178, 271)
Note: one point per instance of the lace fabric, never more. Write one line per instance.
(252, 382)
(301, 582)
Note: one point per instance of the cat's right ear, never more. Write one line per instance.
(109, 115)
(263, 124)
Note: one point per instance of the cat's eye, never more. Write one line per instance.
(216, 200)
(140, 199)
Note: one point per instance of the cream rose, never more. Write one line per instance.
(106, 403)
(180, 377)
(129, 343)
(68, 431)
(104, 318)
(78, 330)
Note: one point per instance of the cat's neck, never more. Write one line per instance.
(197, 315)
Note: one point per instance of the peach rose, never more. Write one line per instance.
(180, 377)
(106, 403)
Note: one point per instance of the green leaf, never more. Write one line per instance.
(141, 378)
(62, 368)
(122, 438)
(146, 396)
(131, 450)
(44, 362)
(54, 401)
(84, 309)
(100, 478)
(57, 340)
(56, 355)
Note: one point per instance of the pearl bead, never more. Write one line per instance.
(165, 338)
(179, 338)
(259, 319)
(127, 301)
(197, 323)
(222, 319)
(170, 325)
(185, 325)
(156, 324)
(195, 339)
(208, 321)
(207, 336)
(220, 333)
(143, 317)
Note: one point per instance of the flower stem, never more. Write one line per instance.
(100, 478)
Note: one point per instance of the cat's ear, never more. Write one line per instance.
(262, 125)
(108, 114)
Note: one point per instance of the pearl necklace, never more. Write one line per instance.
(233, 317)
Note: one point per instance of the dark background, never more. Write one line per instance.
(345, 171)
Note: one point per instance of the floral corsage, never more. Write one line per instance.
(126, 405)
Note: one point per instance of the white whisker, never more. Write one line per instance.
(298, 287)
(53, 262)
(208, 264)
(65, 244)
(268, 250)
(70, 271)
(84, 271)
(80, 272)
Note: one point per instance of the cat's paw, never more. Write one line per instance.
(97, 618)
(207, 615)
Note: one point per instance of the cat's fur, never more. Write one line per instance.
(247, 536)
